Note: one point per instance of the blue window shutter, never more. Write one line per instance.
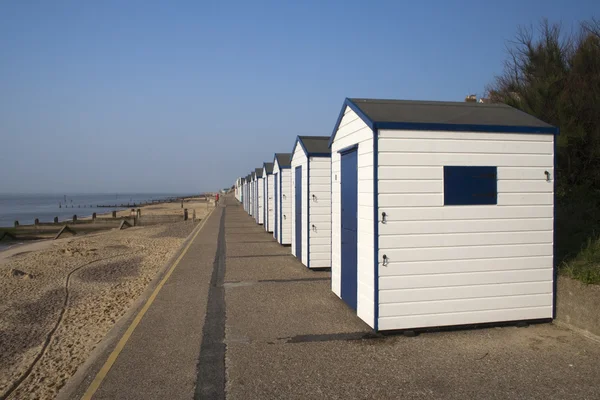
(470, 185)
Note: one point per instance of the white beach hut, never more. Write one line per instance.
(268, 202)
(252, 194)
(283, 198)
(245, 200)
(442, 213)
(311, 201)
(258, 189)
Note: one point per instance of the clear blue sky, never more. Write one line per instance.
(185, 96)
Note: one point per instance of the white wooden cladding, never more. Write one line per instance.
(299, 159)
(284, 205)
(260, 217)
(353, 130)
(269, 202)
(451, 265)
(319, 198)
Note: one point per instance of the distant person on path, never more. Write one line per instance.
(217, 199)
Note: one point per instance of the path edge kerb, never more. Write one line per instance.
(75, 386)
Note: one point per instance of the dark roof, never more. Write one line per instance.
(258, 172)
(253, 175)
(446, 112)
(443, 116)
(284, 159)
(315, 145)
(269, 167)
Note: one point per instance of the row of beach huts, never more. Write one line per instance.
(429, 214)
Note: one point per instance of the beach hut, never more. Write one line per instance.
(251, 209)
(258, 189)
(283, 198)
(311, 201)
(245, 192)
(442, 213)
(268, 211)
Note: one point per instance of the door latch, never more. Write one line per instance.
(386, 260)
(383, 217)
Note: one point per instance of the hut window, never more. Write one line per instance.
(470, 185)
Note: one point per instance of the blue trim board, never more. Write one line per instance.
(307, 212)
(376, 229)
(420, 126)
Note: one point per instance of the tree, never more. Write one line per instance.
(556, 77)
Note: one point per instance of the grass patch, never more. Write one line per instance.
(577, 246)
(585, 267)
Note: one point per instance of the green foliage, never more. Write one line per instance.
(556, 78)
(586, 266)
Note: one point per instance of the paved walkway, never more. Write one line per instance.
(243, 319)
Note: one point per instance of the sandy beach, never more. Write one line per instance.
(59, 298)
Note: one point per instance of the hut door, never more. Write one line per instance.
(349, 205)
(298, 220)
(275, 198)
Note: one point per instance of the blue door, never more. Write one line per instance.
(275, 198)
(349, 205)
(298, 195)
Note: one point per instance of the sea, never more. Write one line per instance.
(25, 208)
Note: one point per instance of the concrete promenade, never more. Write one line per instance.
(241, 318)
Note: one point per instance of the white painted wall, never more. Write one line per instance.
(286, 204)
(276, 201)
(451, 265)
(270, 223)
(319, 198)
(353, 130)
(299, 159)
(259, 201)
(251, 198)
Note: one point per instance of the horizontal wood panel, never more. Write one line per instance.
(465, 305)
(365, 174)
(320, 264)
(530, 173)
(464, 239)
(326, 188)
(465, 146)
(411, 200)
(423, 135)
(466, 226)
(409, 172)
(476, 212)
(460, 266)
(320, 240)
(465, 279)
(320, 180)
(320, 174)
(411, 186)
(466, 252)
(464, 292)
(464, 318)
(525, 198)
(320, 218)
(441, 159)
(525, 186)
